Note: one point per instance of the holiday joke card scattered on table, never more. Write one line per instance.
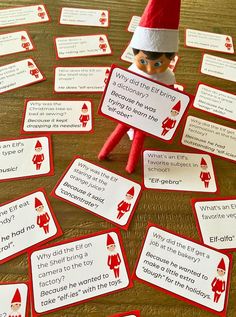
(218, 67)
(15, 42)
(215, 101)
(14, 299)
(210, 137)
(26, 222)
(82, 46)
(57, 116)
(23, 15)
(85, 17)
(77, 270)
(25, 157)
(19, 74)
(216, 221)
(143, 104)
(134, 313)
(81, 79)
(185, 269)
(209, 41)
(134, 22)
(178, 171)
(102, 192)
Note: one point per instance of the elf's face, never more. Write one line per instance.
(149, 66)
(15, 306)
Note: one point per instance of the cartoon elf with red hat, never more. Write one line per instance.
(38, 158)
(113, 260)
(124, 205)
(16, 305)
(103, 18)
(25, 44)
(169, 122)
(102, 44)
(218, 284)
(205, 175)
(41, 13)
(106, 75)
(154, 43)
(42, 217)
(84, 117)
(228, 43)
(33, 70)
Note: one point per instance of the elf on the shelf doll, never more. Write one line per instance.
(154, 43)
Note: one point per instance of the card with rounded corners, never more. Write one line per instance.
(216, 221)
(185, 269)
(134, 313)
(85, 17)
(144, 104)
(75, 271)
(23, 15)
(134, 22)
(97, 190)
(26, 222)
(57, 116)
(14, 299)
(25, 157)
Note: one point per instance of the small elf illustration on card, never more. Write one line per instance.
(219, 284)
(169, 122)
(113, 260)
(41, 13)
(125, 205)
(103, 18)
(38, 158)
(16, 305)
(84, 117)
(25, 43)
(205, 175)
(42, 216)
(33, 70)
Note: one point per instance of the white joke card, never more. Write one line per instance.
(23, 15)
(178, 171)
(14, 299)
(97, 190)
(218, 67)
(143, 104)
(60, 116)
(15, 42)
(81, 46)
(216, 221)
(25, 157)
(26, 222)
(81, 79)
(210, 137)
(134, 313)
(74, 271)
(209, 41)
(185, 269)
(86, 17)
(134, 22)
(215, 101)
(19, 74)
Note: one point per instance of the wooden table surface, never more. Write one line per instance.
(169, 209)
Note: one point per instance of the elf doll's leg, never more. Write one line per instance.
(135, 151)
(112, 140)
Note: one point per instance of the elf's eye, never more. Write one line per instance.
(143, 61)
(158, 64)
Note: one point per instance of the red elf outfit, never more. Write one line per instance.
(38, 158)
(218, 284)
(205, 175)
(125, 205)
(43, 217)
(84, 117)
(113, 260)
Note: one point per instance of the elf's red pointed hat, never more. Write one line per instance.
(176, 107)
(30, 64)
(103, 14)
(16, 298)
(40, 9)
(84, 107)
(203, 162)
(37, 203)
(158, 27)
(131, 191)
(23, 38)
(101, 39)
(110, 241)
(221, 265)
(38, 144)
(107, 72)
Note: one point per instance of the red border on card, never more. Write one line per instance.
(212, 113)
(193, 201)
(116, 230)
(108, 11)
(22, 131)
(28, 249)
(206, 49)
(161, 84)
(51, 172)
(202, 151)
(133, 312)
(77, 92)
(178, 190)
(29, 84)
(189, 301)
(127, 28)
(28, 295)
(81, 56)
(125, 227)
(33, 5)
(23, 51)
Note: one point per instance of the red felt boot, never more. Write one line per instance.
(135, 151)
